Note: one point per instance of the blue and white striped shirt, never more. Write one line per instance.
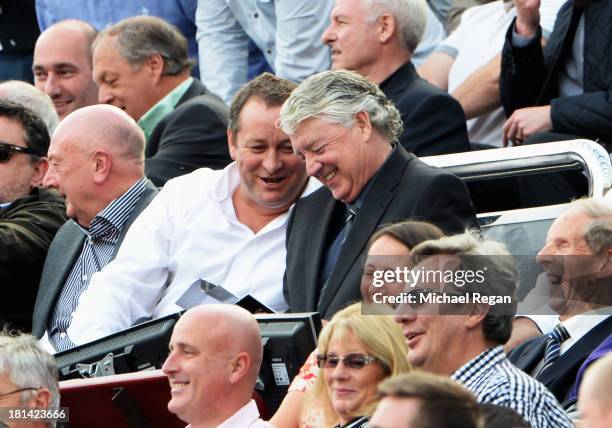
(98, 248)
(493, 379)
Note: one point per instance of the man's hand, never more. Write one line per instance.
(525, 122)
(527, 17)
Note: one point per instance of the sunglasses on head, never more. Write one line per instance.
(7, 150)
(352, 361)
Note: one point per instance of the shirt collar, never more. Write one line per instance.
(579, 325)
(244, 417)
(116, 213)
(151, 118)
(488, 358)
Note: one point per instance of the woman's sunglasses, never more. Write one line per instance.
(351, 361)
(7, 150)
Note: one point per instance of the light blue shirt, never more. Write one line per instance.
(104, 13)
(288, 32)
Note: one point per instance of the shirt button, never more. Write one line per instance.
(84, 277)
(269, 51)
(62, 335)
(255, 15)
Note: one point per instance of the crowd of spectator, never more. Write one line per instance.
(161, 156)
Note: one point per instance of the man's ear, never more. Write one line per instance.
(42, 399)
(155, 66)
(231, 144)
(40, 170)
(101, 163)
(239, 368)
(363, 125)
(606, 268)
(386, 26)
(477, 315)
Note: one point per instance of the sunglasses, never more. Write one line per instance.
(351, 361)
(7, 150)
(17, 390)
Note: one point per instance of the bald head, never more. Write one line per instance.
(107, 127)
(96, 155)
(595, 398)
(62, 65)
(215, 355)
(236, 330)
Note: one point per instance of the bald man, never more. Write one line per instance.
(212, 371)
(62, 65)
(96, 161)
(595, 399)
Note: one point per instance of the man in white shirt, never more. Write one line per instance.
(222, 229)
(576, 258)
(212, 371)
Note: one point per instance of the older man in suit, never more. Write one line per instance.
(141, 66)
(576, 258)
(346, 130)
(378, 40)
(97, 162)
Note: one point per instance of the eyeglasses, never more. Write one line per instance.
(6, 394)
(351, 361)
(7, 150)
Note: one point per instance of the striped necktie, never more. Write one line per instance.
(553, 347)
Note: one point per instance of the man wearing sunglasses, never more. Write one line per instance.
(29, 215)
(463, 339)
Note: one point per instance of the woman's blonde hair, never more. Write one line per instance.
(380, 337)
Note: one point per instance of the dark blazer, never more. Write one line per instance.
(404, 188)
(27, 227)
(530, 74)
(63, 253)
(434, 122)
(192, 136)
(560, 378)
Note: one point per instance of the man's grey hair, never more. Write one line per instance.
(27, 365)
(336, 97)
(500, 275)
(142, 36)
(36, 100)
(598, 234)
(410, 17)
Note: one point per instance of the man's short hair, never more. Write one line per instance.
(142, 36)
(36, 100)
(36, 135)
(337, 96)
(444, 402)
(267, 88)
(500, 276)
(410, 16)
(28, 365)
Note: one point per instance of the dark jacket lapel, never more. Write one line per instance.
(66, 249)
(369, 217)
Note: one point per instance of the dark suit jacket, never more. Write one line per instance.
(530, 74)
(404, 188)
(192, 136)
(27, 227)
(560, 378)
(434, 122)
(63, 253)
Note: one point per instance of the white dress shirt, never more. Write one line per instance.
(188, 232)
